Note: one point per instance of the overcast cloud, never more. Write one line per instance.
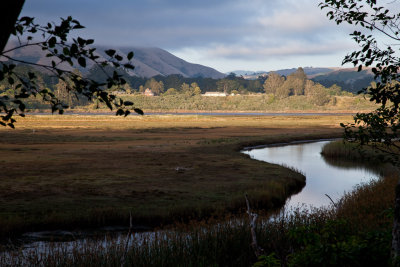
(226, 35)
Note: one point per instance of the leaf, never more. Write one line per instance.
(110, 52)
(130, 55)
(66, 51)
(128, 103)
(129, 66)
(120, 112)
(82, 62)
(81, 41)
(31, 75)
(52, 42)
(139, 111)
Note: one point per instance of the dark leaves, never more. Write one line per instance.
(57, 45)
(128, 103)
(82, 62)
(130, 55)
(139, 111)
(110, 52)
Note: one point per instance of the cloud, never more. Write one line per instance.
(251, 30)
(284, 50)
(289, 22)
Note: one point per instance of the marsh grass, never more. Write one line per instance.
(68, 172)
(346, 154)
(356, 234)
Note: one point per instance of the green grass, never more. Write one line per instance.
(260, 103)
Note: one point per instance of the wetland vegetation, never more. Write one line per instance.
(89, 171)
(74, 172)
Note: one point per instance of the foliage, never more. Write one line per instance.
(64, 54)
(381, 127)
(267, 261)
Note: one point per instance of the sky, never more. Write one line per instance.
(228, 35)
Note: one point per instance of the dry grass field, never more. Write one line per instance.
(86, 171)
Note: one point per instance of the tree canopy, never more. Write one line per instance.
(63, 51)
(378, 35)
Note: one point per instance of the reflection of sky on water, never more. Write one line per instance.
(321, 178)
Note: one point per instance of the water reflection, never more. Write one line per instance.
(323, 177)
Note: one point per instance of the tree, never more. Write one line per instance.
(273, 82)
(54, 39)
(295, 82)
(156, 87)
(171, 91)
(380, 128)
(195, 89)
(8, 17)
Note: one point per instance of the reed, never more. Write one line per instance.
(356, 234)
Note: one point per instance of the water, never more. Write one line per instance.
(272, 114)
(321, 177)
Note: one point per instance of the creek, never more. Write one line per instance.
(323, 177)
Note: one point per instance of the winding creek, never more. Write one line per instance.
(322, 178)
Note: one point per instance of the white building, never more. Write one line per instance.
(214, 94)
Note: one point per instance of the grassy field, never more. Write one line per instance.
(357, 233)
(87, 171)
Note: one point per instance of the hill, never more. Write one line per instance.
(348, 78)
(310, 71)
(148, 62)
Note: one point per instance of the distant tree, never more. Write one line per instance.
(283, 91)
(185, 88)
(253, 86)
(156, 87)
(62, 50)
(308, 87)
(227, 85)
(171, 91)
(296, 82)
(195, 89)
(335, 89)
(319, 95)
(62, 93)
(273, 82)
(173, 81)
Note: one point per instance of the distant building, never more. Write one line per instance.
(148, 92)
(214, 94)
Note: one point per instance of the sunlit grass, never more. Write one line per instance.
(88, 171)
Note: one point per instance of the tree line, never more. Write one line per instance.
(278, 86)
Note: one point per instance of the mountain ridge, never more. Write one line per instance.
(148, 61)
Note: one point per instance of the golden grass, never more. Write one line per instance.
(66, 171)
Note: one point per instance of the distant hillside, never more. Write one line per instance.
(310, 71)
(148, 62)
(348, 78)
